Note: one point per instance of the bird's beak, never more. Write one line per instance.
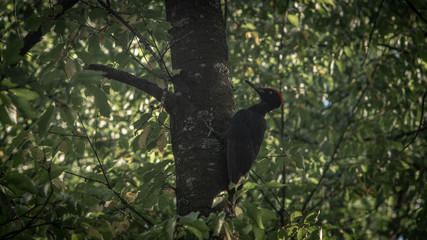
(257, 89)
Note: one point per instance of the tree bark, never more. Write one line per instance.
(204, 101)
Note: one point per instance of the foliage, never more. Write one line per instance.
(86, 157)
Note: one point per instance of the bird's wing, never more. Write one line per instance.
(243, 141)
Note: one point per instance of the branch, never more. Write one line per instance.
(282, 207)
(419, 126)
(35, 218)
(85, 178)
(393, 48)
(336, 148)
(107, 182)
(146, 44)
(372, 32)
(104, 173)
(32, 38)
(416, 11)
(132, 80)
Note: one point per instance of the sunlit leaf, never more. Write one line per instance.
(301, 234)
(70, 68)
(312, 217)
(294, 19)
(142, 139)
(295, 216)
(25, 93)
(161, 140)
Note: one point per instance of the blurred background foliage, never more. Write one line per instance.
(83, 157)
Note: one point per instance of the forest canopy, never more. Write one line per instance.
(87, 157)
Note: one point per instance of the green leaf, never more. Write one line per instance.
(33, 22)
(117, 86)
(299, 160)
(171, 227)
(295, 215)
(7, 117)
(18, 76)
(68, 115)
(60, 27)
(142, 121)
(85, 56)
(23, 105)
(249, 26)
(217, 222)
(25, 93)
(57, 9)
(259, 233)
(162, 117)
(311, 217)
(11, 54)
(21, 182)
(191, 217)
(347, 51)
(123, 58)
(273, 184)
(44, 121)
(196, 232)
(54, 173)
(18, 141)
(404, 165)
(293, 19)
(301, 234)
(316, 234)
(89, 77)
(56, 52)
(254, 214)
(164, 25)
(101, 101)
(199, 224)
(94, 45)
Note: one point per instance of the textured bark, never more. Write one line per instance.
(204, 101)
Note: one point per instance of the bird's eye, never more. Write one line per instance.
(270, 93)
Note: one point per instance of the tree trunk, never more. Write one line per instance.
(204, 101)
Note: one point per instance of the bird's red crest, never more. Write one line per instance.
(277, 92)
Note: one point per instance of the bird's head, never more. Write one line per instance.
(269, 96)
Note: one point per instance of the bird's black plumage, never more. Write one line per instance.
(244, 139)
(246, 132)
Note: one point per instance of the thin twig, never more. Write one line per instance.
(147, 46)
(157, 49)
(12, 235)
(94, 151)
(416, 11)
(274, 195)
(419, 126)
(336, 148)
(85, 178)
(107, 182)
(372, 32)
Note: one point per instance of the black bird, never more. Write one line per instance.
(246, 132)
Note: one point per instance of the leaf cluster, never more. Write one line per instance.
(343, 158)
